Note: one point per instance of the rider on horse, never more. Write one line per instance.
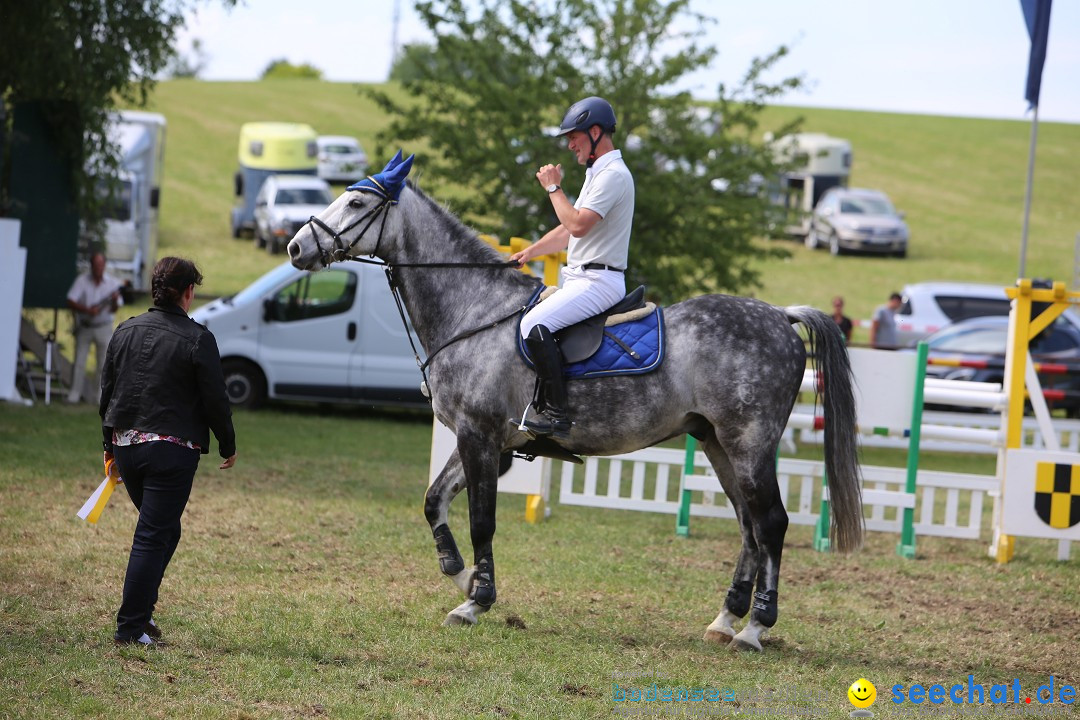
(596, 231)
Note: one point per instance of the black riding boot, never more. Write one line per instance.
(554, 421)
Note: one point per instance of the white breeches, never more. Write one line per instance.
(584, 293)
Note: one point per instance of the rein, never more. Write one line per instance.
(340, 251)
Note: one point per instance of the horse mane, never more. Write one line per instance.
(465, 243)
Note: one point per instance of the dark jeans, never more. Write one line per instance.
(158, 478)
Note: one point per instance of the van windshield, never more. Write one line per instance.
(302, 196)
(257, 290)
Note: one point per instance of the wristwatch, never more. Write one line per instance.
(552, 188)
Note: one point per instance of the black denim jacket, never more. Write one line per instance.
(162, 374)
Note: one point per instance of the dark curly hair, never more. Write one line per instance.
(172, 276)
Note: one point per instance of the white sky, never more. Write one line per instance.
(942, 57)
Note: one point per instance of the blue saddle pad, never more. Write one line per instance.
(645, 337)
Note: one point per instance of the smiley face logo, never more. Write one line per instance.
(862, 693)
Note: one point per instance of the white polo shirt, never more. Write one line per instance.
(86, 292)
(609, 192)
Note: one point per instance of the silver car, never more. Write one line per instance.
(857, 219)
(341, 159)
(284, 205)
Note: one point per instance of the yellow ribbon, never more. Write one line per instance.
(91, 509)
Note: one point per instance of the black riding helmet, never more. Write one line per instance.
(583, 114)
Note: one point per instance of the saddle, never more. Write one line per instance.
(579, 342)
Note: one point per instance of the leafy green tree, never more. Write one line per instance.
(283, 69)
(79, 59)
(188, 66)
(480, 104)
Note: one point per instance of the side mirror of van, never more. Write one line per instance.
(269, 309)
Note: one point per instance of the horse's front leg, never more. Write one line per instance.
(436, 509)
(479, 458)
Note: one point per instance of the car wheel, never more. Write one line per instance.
(244, 384)
(834, 244)
(234, 223)
(272, 246)
(901, 253)
(811, 239)
(260, 241)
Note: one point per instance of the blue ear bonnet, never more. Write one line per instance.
(389, 183)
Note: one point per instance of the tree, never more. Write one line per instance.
(480, 104)
(78, 59)
(283, 69)
(188, 66)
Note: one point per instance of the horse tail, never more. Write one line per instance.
(830, 358)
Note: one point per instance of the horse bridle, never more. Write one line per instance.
(340, 252)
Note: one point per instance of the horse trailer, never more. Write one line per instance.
(269, 148)
(130, 212)
(815, 163)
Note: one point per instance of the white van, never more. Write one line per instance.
(330, 336)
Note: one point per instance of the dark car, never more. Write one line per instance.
(982, 341)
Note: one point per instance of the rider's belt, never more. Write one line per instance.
(599, 266)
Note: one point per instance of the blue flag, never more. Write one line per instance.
(1037, 17)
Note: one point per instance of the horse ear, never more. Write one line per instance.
(394, 162)
(398, 173)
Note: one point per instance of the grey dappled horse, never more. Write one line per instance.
(732, 370)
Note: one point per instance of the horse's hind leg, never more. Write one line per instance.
(436, 508)
(737, 602)
(769, 521)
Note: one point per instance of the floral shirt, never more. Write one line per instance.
(136, 437)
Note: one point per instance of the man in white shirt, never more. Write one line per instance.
(94, 298)
(596, 232)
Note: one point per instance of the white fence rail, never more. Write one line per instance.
(1067, 431)
(946, 504)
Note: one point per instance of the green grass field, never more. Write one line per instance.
(306, 584)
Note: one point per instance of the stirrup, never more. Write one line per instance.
(546, 426)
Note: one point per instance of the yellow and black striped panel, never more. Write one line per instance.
(1057, 494)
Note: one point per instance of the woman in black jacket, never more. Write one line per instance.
(162, 391)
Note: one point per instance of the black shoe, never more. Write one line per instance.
(152, 630)
(142, 640)
(557, 428)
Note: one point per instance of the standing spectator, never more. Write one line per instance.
(162, 392)
(94, 297)
(883, 328)
(842, 321)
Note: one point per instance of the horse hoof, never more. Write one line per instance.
(466, 613)
(455, 620)
(719, 637)
(745, 644)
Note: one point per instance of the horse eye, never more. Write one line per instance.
(356, 203)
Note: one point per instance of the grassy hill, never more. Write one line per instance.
(959, 180)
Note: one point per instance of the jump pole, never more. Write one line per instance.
(906, 547)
